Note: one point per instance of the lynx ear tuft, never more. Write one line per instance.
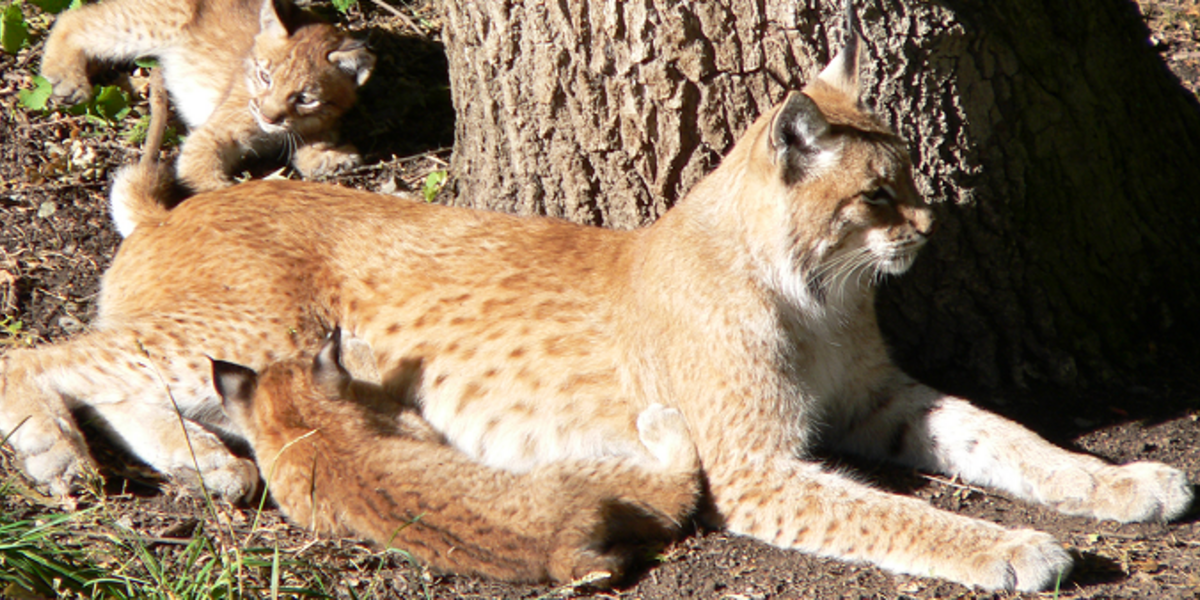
(800, 137)
(354, 59)
(327, 370)
(842, 72)
(235, 383)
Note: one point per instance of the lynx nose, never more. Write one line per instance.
(923, 222)
(273, 113)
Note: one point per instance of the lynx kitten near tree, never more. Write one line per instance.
(250, 78)
(748, 307)
(346, 457)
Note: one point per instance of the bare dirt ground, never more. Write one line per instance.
(56, 240)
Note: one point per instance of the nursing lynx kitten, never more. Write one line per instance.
(249, 77)
(748, 307)
(336, 463)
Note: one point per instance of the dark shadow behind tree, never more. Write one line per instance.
(1062, 155)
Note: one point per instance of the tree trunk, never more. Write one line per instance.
(1060, 152)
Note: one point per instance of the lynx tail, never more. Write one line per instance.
(144, 193)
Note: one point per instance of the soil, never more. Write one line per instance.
(56, 242)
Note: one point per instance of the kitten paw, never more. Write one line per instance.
(1026, 561)
(69, 90)
(318, 160)
(664, 432)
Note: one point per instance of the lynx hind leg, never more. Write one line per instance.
(110, 373)
(40, 428)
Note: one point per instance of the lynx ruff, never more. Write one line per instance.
(747, 307)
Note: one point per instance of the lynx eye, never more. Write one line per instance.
(264, 76)
(880, 196)
(305, 101)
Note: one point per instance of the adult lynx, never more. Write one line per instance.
(249, 78)
(337, 464)
(748, 307)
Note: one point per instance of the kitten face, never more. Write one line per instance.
(303, 81)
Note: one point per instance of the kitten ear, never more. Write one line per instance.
(270, 22)
(327, 370)
(842, 72)
(235, 384)
(354, 59)
(800, 137)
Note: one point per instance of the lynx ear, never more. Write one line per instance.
(354, 59)
(270, 22)
(235, 383)
(842, 72)
(327, 370)
(800, 137)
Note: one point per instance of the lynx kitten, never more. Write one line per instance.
(748, 307)
(335, 464)
(249, 77)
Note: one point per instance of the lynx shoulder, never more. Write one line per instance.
(338, 458)
(748, 307)
(248, 77)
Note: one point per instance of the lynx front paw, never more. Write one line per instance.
(1141, 491)
(1025, 560)
(664, 432)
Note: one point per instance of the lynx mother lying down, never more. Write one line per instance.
(748, 307)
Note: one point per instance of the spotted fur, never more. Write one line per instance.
(748, 307)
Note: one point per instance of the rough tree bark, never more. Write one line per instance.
(1060, 151)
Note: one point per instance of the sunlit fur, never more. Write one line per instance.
(346, 457)
(748, 307)
(234, 69)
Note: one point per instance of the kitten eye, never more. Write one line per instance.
(880, 196)
(305, 101)
(264, 76)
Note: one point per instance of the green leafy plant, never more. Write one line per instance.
(13, 32)
(136, 133)
(109, 105)
(56, 6)
(343, 5)
(37, 98)
(14, 332)
(434, 184)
